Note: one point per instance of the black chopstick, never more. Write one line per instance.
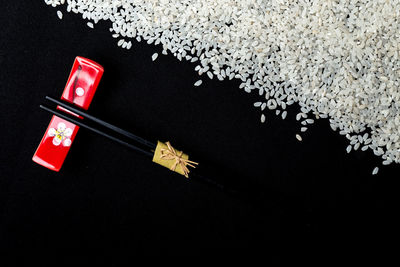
(103, 123)
(96, 130)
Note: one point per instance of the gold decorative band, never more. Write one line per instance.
(166, 155)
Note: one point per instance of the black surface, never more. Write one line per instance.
(106, 195)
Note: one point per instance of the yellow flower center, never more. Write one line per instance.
(59, 135)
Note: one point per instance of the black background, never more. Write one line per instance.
(106, 195)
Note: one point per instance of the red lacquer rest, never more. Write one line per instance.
(60, 134)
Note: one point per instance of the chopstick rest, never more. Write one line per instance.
(60, 134)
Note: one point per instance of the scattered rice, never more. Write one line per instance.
(198, 83)
(121, 42)
(154, 56)
(298, 137)
(375, 171)
(90, 25)
(263, 106)
(356, 146)
(338, 60)
(386, 162)
(59, 14)
(262, 118)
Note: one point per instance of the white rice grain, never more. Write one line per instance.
(198, 83)
(154, 56)
(262, 118)
(121, 42)
(263, 106)
(356, 146)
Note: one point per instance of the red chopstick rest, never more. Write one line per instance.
(59, 136)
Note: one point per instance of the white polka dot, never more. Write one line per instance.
(79, 91)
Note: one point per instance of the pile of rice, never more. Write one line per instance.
(337, 59)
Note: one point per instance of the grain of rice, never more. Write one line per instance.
(298, 137)
(375, 171)
(356, 146)
(263, 106)
(386, 162)
(154, 56)
(198, 83)
(90, 25)
(262, 118)
(59, 14)
(120, 42)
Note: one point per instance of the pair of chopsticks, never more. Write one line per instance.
(148, 146)
(213, 176)
(131, 141)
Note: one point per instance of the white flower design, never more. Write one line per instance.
(61, 135)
